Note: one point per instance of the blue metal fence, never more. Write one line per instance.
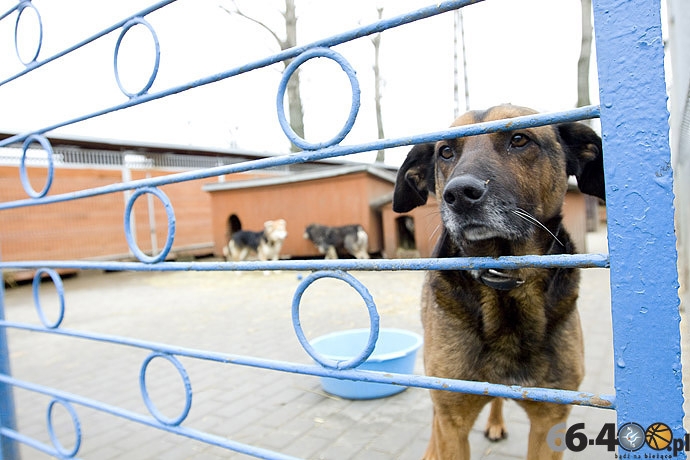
(645, 304)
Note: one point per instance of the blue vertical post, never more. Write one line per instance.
(639, 192)
(8, 447)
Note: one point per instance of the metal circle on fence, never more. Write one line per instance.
(354, 108)
(57, 281)
(187, 387)
(371, 308)
(24, 176)
(131, 23)
(171, 225)
(20, 10)
(64, 453)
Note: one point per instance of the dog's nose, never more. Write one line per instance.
(464, 191)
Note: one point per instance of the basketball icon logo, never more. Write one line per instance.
(658, 436)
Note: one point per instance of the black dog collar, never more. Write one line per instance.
(499, 280)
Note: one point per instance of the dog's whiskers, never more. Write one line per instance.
(521, 213)
(438, 226)
(436, 230)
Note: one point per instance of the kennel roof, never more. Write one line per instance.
(325, 173)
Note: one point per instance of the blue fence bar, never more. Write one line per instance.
(37, 63)
(640, 215)
(134, 417)
(463, 263)
(301, 157)
(8, 449)
(639, 192)
(376, 27)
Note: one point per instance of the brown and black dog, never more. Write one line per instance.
(501, 194)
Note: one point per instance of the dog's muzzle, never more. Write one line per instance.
(467, 211)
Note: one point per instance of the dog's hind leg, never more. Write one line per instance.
(357, 245)
(233, 251)
(236, 254)
(495, 426)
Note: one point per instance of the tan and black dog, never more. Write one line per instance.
(501, 194)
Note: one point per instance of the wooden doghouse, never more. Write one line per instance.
(339, 195)
(411, 234)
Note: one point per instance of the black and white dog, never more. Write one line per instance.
(265, 244)
(329, 240)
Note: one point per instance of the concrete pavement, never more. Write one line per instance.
(249, 314)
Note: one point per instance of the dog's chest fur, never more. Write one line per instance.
(503, 335)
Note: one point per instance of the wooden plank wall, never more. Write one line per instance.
(94, 227)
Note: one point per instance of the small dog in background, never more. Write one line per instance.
(329, 240)
(265, 244)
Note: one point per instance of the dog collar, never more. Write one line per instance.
(499, 280)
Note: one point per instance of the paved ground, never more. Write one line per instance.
(250, 314)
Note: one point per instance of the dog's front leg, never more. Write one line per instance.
(262, 253)
(454, 416)
(447, 441)
(543, 417)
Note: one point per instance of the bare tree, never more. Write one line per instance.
(376, 40)
(591, 203)
(295, 111)
(459, 29)
(585, 55)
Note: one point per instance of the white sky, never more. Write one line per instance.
(520, 52)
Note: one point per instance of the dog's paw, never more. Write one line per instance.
(495, 433)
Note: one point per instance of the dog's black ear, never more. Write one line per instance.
(584, 157)
(415, 178)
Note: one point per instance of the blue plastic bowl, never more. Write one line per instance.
(395, 352)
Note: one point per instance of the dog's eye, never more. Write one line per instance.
(445, 152)
(519, 140)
